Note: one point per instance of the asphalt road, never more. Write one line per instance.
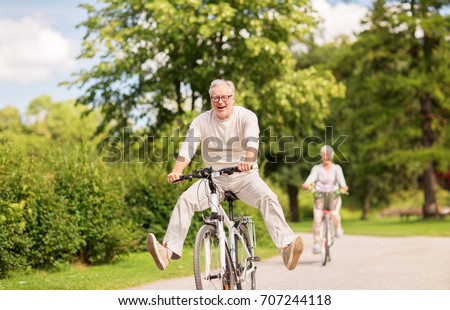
(358, 263)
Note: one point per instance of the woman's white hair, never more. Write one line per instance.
(327, 151)
(219, 82)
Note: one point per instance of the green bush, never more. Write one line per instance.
(94, 195)
(13, 209)
(60, 207)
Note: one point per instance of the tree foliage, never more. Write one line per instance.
(157, 58)
(396, 109)
(51, 120)
(10, 120)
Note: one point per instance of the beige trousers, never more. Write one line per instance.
(248, 187)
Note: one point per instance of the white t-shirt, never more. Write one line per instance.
(224, 142)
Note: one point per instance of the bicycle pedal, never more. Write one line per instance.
(255, 259)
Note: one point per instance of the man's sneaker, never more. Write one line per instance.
(340, 233)
(316, 248)
(292, 252)
(159, 252)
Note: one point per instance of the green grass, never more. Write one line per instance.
(129, 271)
(394, 227)
(391, 226)
(138, 268)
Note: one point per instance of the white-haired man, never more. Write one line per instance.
(229, 136)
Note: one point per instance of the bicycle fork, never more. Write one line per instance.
(326, 238)
(214, 201)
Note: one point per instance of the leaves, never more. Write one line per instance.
(396, 63)
(159, 57)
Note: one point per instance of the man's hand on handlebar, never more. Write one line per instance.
(174, 175)
(245, 166)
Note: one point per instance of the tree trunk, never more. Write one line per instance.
(294, 215)
(366, 207)
(179, 97)
(430, 204)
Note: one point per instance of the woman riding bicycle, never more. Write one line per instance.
(326, 174)
(229, 136)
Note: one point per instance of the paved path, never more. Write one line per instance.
(358, 262)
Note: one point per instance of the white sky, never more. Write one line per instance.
(39, 44)
(340, 18)
(31, 50)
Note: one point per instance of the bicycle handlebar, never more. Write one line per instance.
(205, 173)
(338, 191)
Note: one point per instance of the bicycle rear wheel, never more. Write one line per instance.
(207, 262)
(246, 279)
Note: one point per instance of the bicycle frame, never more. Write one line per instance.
(227, 232)
(327, 212)
(233, 231)
(329, 194)
(326, 230)
(327, 217)
(220, 217)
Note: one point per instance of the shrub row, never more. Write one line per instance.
(59, 206)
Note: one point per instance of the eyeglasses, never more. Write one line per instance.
(224, 98)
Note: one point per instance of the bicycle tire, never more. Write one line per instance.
(324, 248)
(243, 261)
(207, 248)
(331, 234)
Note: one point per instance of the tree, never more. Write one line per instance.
(60, 121)
(10, 122)
(397, 105)
(291, 122)
(157, 58)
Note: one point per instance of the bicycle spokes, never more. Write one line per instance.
(207, 256)
(208, 271)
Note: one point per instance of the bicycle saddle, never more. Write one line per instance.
(230, 196)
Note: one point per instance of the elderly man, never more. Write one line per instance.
(229, 136)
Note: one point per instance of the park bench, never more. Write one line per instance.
(405, 214)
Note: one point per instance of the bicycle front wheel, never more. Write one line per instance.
(207, 269)
(324, 241)
(245, 271)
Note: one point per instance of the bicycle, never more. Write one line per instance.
(326, 199)
(223, 260)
